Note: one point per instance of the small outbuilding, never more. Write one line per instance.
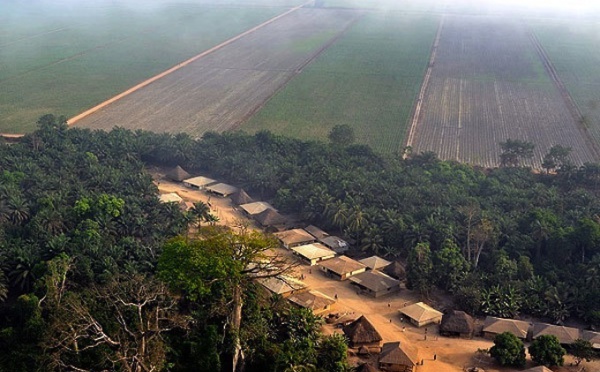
(294, 238)
(316, 301)
(339, 245)
(494, 326)
(375, 262)
(565, 335)
(457, 323)
(199, 182)
(221, 189)
(375, 283)
(316, 232)
(362, 333)
(342, 267)
(313, 253)
(177, 174)
(255, 208)
(241, 197)
(398, 357)
(421, 314)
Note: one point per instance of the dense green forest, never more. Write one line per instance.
(95, 273)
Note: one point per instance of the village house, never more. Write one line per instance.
(241, 197)
(294, 238)
(495, 326)
(177, 174)
(315, 301)
(254, 208)
(398, 357)
(362, 333)
(316, 232)
(271, 220)
(338, 245)
(374, 262)
(342, 267)
(592, 337)
(313, 253)
(565, 335)
(457, 323)
(198, 182)
(221, 189)
(284, 286)
(421, 314)
(375, 283)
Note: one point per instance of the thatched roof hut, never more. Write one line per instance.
(270, 217)
(177, 174)
(398, 356)
(457, 323)
(362, 333)
(395, 270)
(241, 197)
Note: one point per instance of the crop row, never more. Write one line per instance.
(487, 85)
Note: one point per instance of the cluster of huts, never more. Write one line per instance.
(530, 331)
(373, 276)
(393, 356)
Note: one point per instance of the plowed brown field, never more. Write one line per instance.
(218, 91)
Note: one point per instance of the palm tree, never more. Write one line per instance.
(201, 211)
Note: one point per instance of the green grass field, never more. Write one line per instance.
(369, 79)
(574, 49)
(64, 57)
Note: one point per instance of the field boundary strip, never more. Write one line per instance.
(33, 36)
(147, 82)
(572, 106)
(421, 97)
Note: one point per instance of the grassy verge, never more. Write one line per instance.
(65, 62)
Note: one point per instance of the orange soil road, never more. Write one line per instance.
(74, 119)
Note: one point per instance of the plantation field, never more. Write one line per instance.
(64, 57)
(574, 50)
(368, 79)
(220, 90)
(488, 84)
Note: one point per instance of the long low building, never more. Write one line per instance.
(284, 286)
(221, 189)
(565, 335)
(494, 326)
(342, 267)
(316, 301)
(254, 208)
(421, 314)
(375, 283)
(199, 182)
(313, 253)
(295, 237)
